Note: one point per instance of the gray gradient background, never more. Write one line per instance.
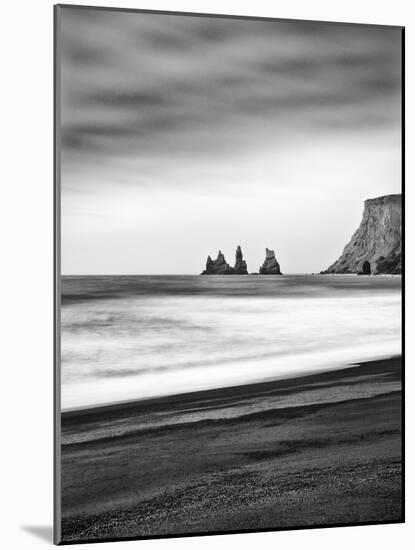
(182, 135)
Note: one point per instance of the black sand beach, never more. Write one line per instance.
(322, 449)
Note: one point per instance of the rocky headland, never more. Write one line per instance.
(376, 246)
(270, 265)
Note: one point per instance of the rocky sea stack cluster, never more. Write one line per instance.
(221, 267)
(376, 246)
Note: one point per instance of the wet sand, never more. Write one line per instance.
(323, 449)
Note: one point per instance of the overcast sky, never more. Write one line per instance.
(182, 135)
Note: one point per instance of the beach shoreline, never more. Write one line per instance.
(320, 449)
(159, 401)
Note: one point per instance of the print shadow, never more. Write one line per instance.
(43, 532)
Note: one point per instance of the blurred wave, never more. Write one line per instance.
(131, 337)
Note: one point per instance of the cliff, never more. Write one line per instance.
(376, 246)
(270, 265)
(221, 267)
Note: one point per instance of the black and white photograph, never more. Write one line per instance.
(229, 223)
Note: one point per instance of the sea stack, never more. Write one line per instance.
(270, 265)
(376, 246)
(240, 264)
(218, 266)
(221, 267)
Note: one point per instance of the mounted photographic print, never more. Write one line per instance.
(228, 274)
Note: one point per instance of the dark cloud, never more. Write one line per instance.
(80, 54)
(144, 84)
(128, 99)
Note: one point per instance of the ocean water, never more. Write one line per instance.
(133, 337)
